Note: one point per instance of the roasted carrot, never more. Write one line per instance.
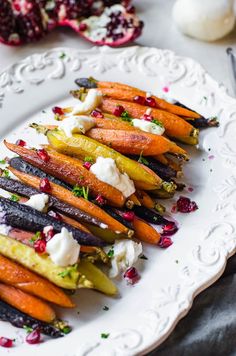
(134, 142)
(14, 274)
(71, 171)
(162, 159)
(145, 199)
(174, 125)
(145, 232)
(127, 92)
(66, 196)
(27, 303)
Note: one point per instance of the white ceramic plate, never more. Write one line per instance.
(144, 315)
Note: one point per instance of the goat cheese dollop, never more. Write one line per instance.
(76, 124)
(206, 20)
(148, 126)
(105, 169)
(124, 255)
(92, 100)
(63, 248)
(37, 201)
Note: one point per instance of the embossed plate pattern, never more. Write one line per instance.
(144, 315)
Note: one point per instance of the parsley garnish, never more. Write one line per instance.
(3, 161)
(105, 308)
(15, 197)
(66, 330)
(143, 257)
(62, 55)
(104, 335)
(88, 159)
(111, 252)
(6, 173)
(155, 121)
(81, 191)
(125, 116)
(28, 329)
(65, 273)
(36, 236)
(142, 159)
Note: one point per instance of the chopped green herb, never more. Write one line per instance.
(125, 116)
(62, 55)
(6, 173)
(176, 261)
(15, 197)
(205, 98)
(142, 159)
(66, 330)
(88, 159)
(65, 273)
(143, 257)
(104, 335)
(111, 252)
(36, 236)
(3, 161)
(155, 121)
(105, 308)
(28, 329)
(81, 191)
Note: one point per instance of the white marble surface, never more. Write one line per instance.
(159, 32)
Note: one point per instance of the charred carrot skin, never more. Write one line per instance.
(174, 125)
(77, 202)
(20, 277)
(70, 171)
(126, 92)
(27, 303)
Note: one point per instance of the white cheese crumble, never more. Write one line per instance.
(4, 229)
(37, 201)
(92, 100)
(105, 169)
(63, 248)
(148, 126)
(126, 253)
(76, 124)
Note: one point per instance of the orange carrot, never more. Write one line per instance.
(71, 171)
(126, 92)
(145, 199)
(134, 142)
(174, 125)
(27, 303)
(18, 276)
(145, 232)
(67, 196)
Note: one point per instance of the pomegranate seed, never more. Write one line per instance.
(21, 143)
(100, 200)
(33, 337)
(87, 165)
(169, 229)
(131, 275)
(83, 27)
(40, 246)
(128, 215)
(130, 9)
(165, 242)
(45, 185)
(43, 155)
(139, 99)
(118, 110)
(5, 342)
(97, 113)
(57, 110)
(55, 215)
(165, 89)
(150, 102)
(185, 205)
(147, 117)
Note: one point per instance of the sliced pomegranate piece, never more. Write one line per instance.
(42, 153)
(34, 337)
(21, 143)
(165, 242)
(128, 215)
(131, 275)
(87, 165)
(45, 185)
(97, 113)
(5, 342)
(139, 99)
(185, 205)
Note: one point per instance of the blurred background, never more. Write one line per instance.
(159, 31)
